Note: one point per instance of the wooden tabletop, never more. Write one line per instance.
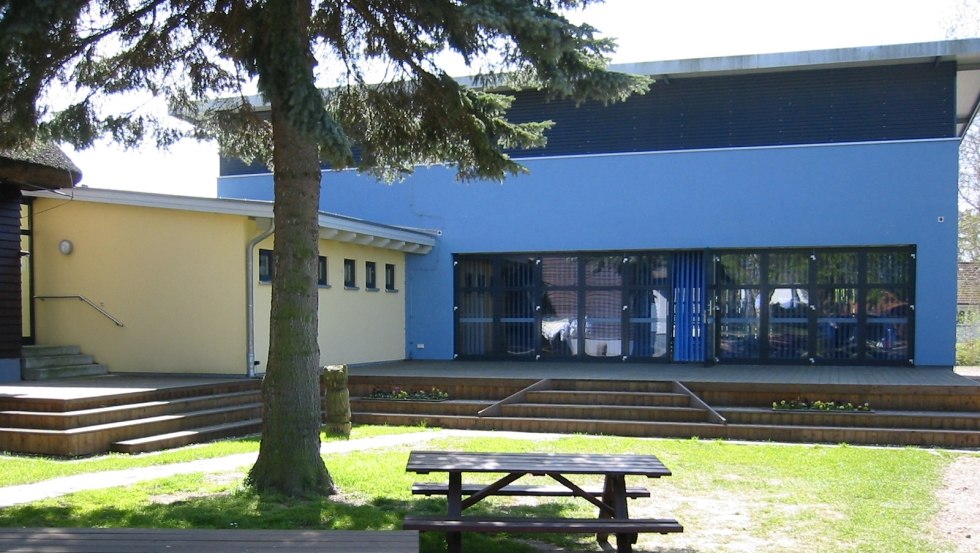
(152, 540)
(536, 463)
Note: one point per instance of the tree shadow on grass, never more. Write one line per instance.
(245, 509)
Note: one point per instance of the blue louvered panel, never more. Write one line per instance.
(688, 281)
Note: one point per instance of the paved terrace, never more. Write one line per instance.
(763, 374)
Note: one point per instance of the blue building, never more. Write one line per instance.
(793, 208)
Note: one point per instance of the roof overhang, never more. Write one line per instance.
(332, 226)
(42, 166)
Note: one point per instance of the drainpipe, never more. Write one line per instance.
(250, 298)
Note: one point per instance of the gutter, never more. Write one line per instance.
(250, 299)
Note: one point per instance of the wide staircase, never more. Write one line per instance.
(941, 416)
(51, 362)
(128, 418)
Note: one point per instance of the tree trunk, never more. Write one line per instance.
(289, 459)
(336, 401)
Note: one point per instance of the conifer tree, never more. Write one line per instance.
(335, 77)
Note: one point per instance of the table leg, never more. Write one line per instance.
(614, 494)
(454, 499)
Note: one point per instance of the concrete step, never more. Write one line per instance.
(934, 420)
(614, 385)
(72, 371)
(448, 407)
(187, 437)
(806, 434)
(65, 360)
(122, 412)
(98, 438)
(610, 412)
(45, 351)
(648, 399)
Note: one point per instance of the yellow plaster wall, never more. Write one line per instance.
(175, 279)
(356, 326)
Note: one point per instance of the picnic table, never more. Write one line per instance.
(170, 540)
(611, 499)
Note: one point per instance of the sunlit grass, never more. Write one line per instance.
(23, 469)
(729, 497)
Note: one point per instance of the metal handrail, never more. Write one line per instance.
(84, 300)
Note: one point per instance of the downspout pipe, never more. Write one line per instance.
(250, 298)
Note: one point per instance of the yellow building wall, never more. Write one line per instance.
(175, 279)
(356, 326)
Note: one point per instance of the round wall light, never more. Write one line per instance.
(65, 247)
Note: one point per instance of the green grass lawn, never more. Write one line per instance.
(729, 497)
(22, 469)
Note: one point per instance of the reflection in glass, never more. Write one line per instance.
(603, 324)
(789, 268)
(559, 312)
(475, 334)
(788, 311)
(889, 267)
(559, 271)
(648, 312)
(886, 335)
(837, 323)
(739, 323)
(837, 268)
(740, 269)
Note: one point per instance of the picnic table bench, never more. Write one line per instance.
(611, 499)
(170, 540)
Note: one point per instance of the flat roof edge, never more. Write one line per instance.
(963, 50)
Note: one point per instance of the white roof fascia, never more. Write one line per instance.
(332, 226)
(963, 50)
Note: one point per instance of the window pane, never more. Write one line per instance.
(350, 273)
(603, 324)
(559, 271)
(788, 312)
(837, 324)
(837, 268)
(888, 314)
(475, 323)
(517, 322)
(789, 268)
(739, 270)
(648, 318)
(604, 271)
(370, 275)
(321, 271)
(739, 324)
(559, 310)
(474, 274)
(517, 272)
(389, 276)
(889, 267)
(265, 265)
(649, 271)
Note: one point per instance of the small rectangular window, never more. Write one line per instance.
(265, 266)
(350, 274)
(390, 277)
(321, 272)
(370, 275)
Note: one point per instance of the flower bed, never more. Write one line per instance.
(804, 405)
(400, 394)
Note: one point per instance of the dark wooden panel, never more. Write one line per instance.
(10, 300)
(151, 540)
(817, 106)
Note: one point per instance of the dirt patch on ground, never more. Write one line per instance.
(958, 520)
